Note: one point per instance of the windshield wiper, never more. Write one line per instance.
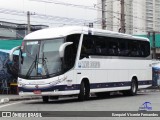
(31, 67)
(21, 55)
(34, 65)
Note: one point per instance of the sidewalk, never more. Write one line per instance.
(7, 98)
(151, 89)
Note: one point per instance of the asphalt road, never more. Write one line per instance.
(112, 103)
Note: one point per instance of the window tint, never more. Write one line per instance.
(100, 46)
(113, 47)
(108, 46)
(139, 48)
(123, 48)
(88, 46)
(145, 48)
(71, 51)
(133, 48)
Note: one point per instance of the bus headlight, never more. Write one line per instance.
(69, 82)
(20, 84)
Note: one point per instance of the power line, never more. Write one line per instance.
(62, 19)
(40, 22)
(114, 26)
(89, 7)
(44, 16)
(66, 4)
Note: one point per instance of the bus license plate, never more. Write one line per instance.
(37, 92)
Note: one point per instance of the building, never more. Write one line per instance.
(11, 34)
(153, 15)
(10, 30)
(140, 15)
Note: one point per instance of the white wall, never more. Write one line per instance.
(140, 16)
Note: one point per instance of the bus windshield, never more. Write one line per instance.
(40, 59)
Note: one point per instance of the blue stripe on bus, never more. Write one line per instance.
(92, 86)
(52, 88)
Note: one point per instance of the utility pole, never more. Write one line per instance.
(103, 14)
(28, 22)
(154, 45)
(154, 42)
(122, 29)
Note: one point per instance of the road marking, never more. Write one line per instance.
(6, 105)
(10, 104)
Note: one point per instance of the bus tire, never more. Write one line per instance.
(133, 89)
(45, 98)
(84, 91)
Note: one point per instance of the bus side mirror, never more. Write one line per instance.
(62, 48)
(12, 51)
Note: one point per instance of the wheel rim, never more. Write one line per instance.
(133, 87)
(84, 91)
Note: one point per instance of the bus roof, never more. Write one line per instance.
(57, 32)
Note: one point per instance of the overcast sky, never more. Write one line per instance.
(47, 9)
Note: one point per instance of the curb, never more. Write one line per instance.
(4, 100)
(149, 90)
(23, 98)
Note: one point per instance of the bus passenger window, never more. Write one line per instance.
(144, 49)
(113, 48)
(71, 51)
(100, 46)
(123, 50)
(87, 47)
(134, 49)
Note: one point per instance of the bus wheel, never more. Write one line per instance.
(45, 99)
(133, 90)
(84, 91)
(134, 87)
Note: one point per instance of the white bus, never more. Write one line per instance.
(79, 61)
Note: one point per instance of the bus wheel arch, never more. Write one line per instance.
(84, 93)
